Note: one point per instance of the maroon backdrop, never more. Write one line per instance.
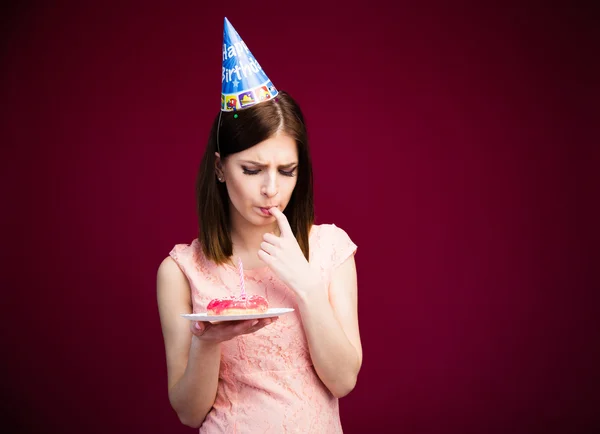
(446, 142)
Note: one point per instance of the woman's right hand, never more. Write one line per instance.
(226, 330)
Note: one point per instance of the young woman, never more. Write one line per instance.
(255, 202)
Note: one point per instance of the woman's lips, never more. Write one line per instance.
(265, 211)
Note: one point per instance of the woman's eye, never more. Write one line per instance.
(286, 173)
(249, 172)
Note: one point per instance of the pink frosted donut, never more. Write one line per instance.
(242, 305)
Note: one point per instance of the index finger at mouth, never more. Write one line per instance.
(282, 221)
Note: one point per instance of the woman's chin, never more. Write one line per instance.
(259, 219)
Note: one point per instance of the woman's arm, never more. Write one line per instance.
(193, 348)
(192, 364)
(331, 326)
(329, 315)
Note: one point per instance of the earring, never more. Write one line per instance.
(220, 178)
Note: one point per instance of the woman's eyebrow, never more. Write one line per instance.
(257, 164)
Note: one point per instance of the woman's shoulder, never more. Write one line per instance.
(328, 232)
(185, 253)
(331, 244)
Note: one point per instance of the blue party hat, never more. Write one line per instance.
(244, 83)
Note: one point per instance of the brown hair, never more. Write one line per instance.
(235, 134)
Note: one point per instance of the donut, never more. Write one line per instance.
(242, 305)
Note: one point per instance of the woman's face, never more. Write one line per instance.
(259, 178)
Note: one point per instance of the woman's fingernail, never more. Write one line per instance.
(197, 326)
(254, 322)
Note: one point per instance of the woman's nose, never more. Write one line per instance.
(270, 188)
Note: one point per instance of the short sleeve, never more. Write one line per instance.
(342, 246)
(190, 260)
(183, 254)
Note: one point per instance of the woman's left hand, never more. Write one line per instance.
(283, 255)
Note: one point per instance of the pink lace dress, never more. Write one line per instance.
(267, 383)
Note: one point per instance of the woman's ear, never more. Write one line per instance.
(219, 168)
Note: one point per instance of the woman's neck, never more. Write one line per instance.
(246, 239)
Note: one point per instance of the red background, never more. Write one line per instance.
(447, 141)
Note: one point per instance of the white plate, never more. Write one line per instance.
(276, 311)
